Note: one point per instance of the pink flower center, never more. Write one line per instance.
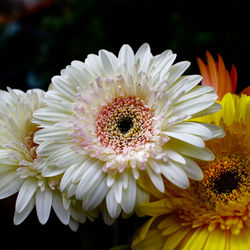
(124, 124)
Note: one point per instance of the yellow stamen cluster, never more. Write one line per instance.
(222, 198)
(225, 180)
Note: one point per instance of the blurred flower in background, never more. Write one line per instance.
(12, 10)
(217, 76)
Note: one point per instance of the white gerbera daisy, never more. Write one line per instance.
(19, 163)
(111, 120)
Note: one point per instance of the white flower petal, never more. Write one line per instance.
(216, 131)
(66, 180)
(195, 105)
(89, 178)
(189, 138)
(192, 151)
(51, 133)
(61, 86)
(25, 194)
(176, 71)
(94, 64)
(156, 179)
(173, 155)
(144, 56)
(10, 188)
(175, 174)
(199, 129)
(94, 199)
(43, 204)
(20, 217)
(193, 170)
(112, 206)
(74, 225)
(117, 189)
(126, 55)
(129, 196)
(182, 86)
(57, 204)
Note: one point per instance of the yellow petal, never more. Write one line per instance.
(228, 108)
(145, 228)
(156, 208)
(216, 240)
(197, 239)
(177, 239)
(154, 240)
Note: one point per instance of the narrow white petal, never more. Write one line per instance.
(20, 217)
(43, 204)
(117, 188)
(188, 138)
(61, 86)
(57, 204)
(156, 179)
(190, 150)
(106, 216)
(74, 225)
(193, 170)
(112, 206)
(49, 171)
(25, 194)
(195, 92)
(94, 63)
(195, 128)
(182, 86)
(6, 178)
(216, 131)
(61, 131)
(173, 155)
(144, 56)
(89, 183)
(210, 110)
(11, 188)
(176, 71)
(89, 178)
(175, 174)
(66, 179)
(194, 105)
(95, 198)
(50, 116)
(106, 63)
(129, 196)
(126, 55)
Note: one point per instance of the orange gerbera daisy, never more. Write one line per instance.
(217, 76)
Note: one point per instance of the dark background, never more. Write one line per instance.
(39, 44)
(35, 45)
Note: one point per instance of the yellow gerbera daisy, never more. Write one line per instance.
(215, 212)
